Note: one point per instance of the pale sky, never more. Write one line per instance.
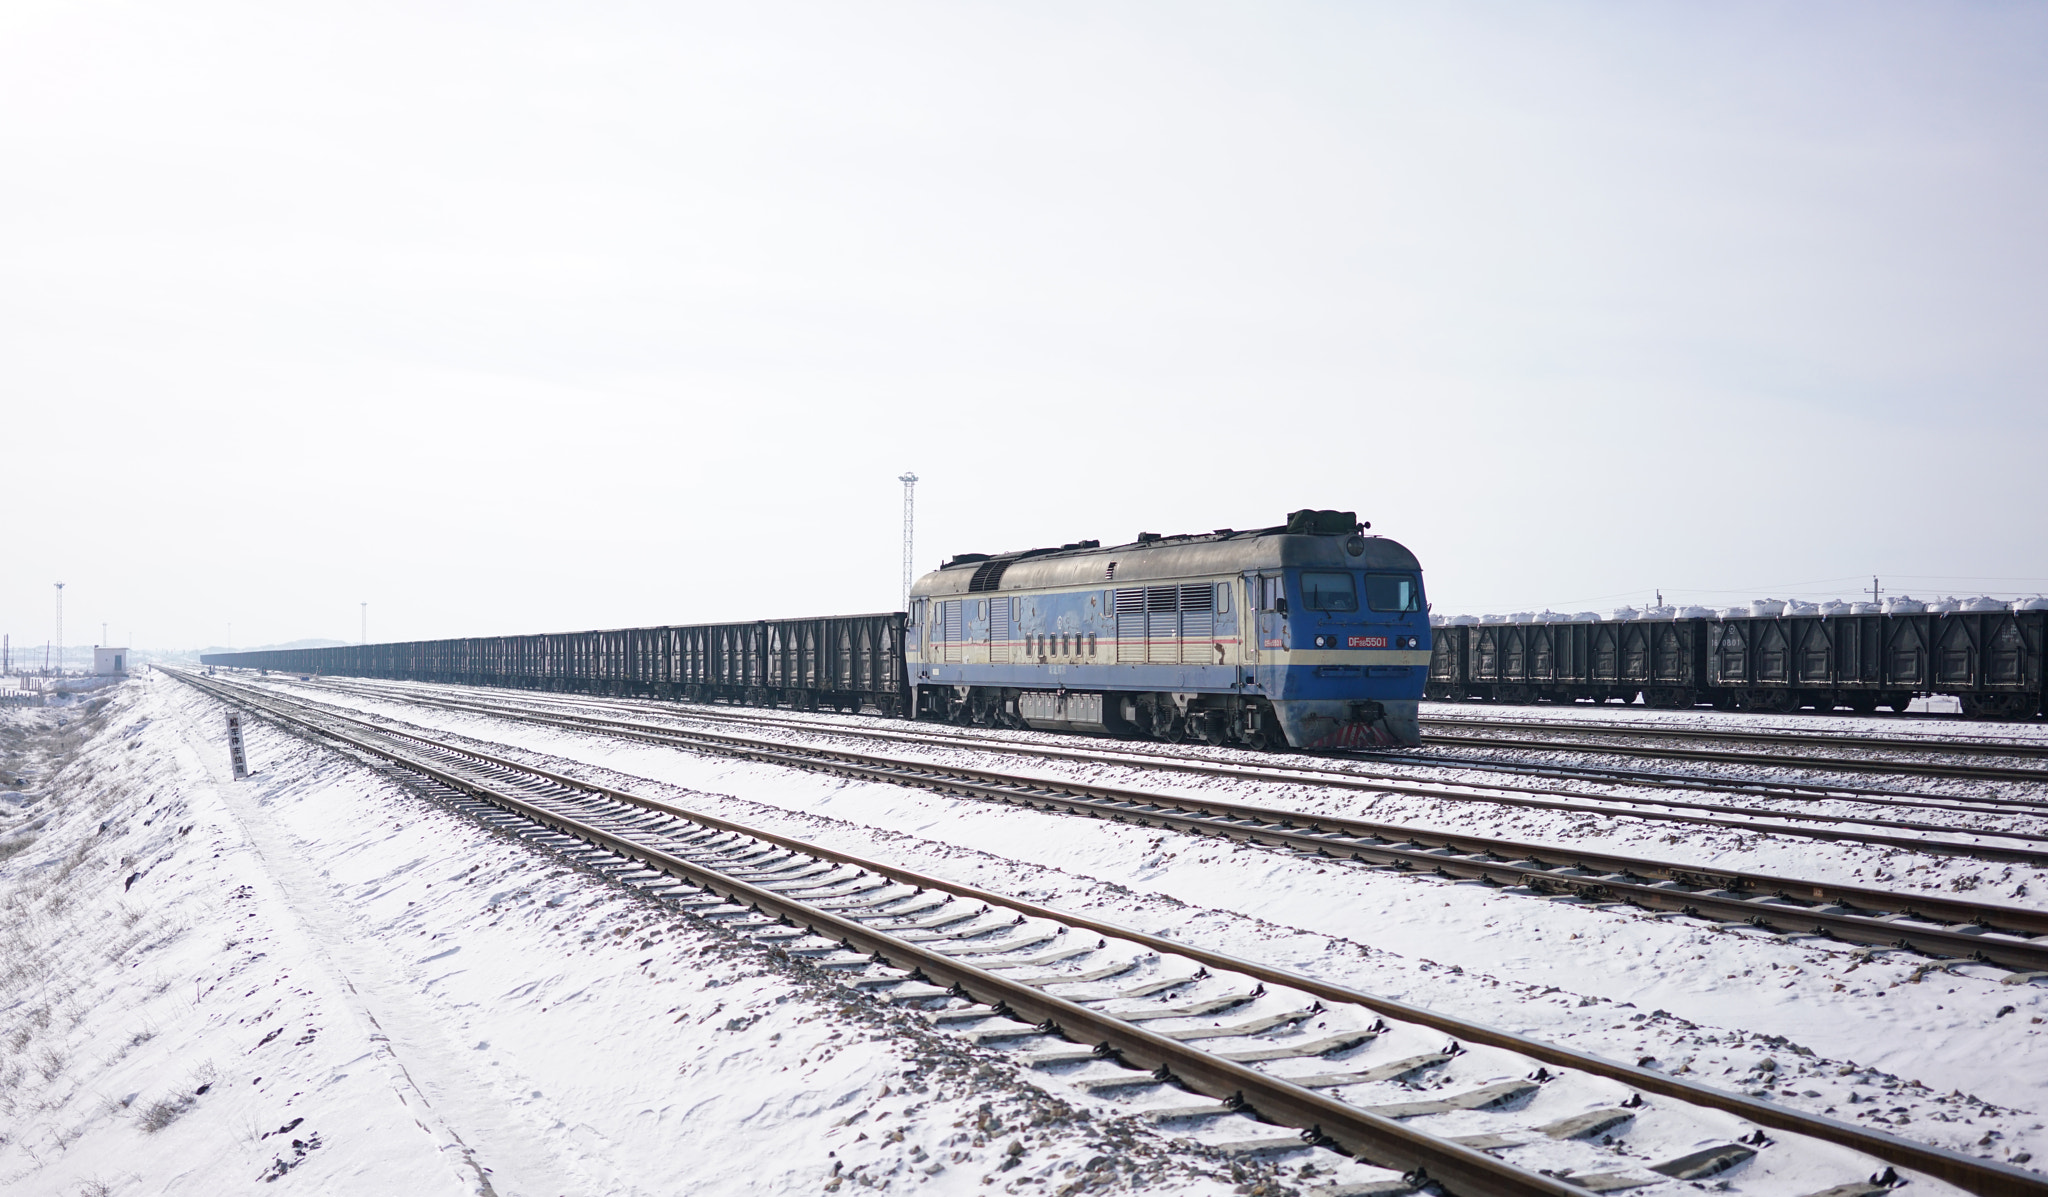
(509, 318)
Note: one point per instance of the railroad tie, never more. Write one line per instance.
(1326, 1046)
(1484, 1098)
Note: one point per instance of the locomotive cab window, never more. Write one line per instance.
(1328, 590)
(1392, 592)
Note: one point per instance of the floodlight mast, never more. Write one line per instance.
(60, 629)
(909, 481)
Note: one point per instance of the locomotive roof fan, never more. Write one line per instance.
(1330, 523)
(1324, 523)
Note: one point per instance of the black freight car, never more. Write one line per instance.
(1563, 662)
(1991, 661)
(843, 662)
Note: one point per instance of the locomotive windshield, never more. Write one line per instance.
(1328, 591)
(1392, 592)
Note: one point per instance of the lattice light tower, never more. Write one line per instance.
(909, 481)
(60, 629)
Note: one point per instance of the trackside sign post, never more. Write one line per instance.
(235, 754)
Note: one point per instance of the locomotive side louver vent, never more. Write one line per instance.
(1130, 625)
(953, 628)
(1000, 631)
(1109, 572)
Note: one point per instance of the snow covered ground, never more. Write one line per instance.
(1893, 1042)
(318, 979)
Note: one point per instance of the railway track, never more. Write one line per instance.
(1754, 786)
(2022, 846)
(1945, 928)
(898, 933)
(1360, 764)
(1968, 745)
(1551, 736)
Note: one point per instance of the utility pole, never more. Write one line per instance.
(1873, 588)
(909, 481)
(60, 627)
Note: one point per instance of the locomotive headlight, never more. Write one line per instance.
(1411, 642)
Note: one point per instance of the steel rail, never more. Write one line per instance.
(1153, 758)
(1360, 780)
(1978, 746)
(1266, 771)
(1982, 1176)
(1842, 764)
(1596, 877)
(1752, 785)
(1358, 1132)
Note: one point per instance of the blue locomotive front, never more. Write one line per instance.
(1311, 634)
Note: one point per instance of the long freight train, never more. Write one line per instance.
(1311, 634)
(1990, 660)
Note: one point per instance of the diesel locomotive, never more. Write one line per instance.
(1310, 634)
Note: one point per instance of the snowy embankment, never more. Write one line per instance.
(1882, 1040)
(316, 977)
